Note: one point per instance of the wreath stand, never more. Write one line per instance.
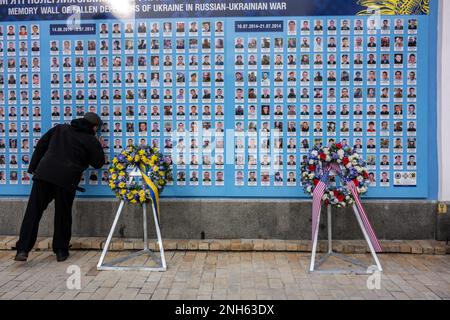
(114, 264)
(331, 253)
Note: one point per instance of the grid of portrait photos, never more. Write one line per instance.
(153, 83)
(324, 80)
(20, 100)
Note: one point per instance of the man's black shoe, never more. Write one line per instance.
(62, 255)
(21, 256)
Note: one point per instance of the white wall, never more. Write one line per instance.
(444, 100)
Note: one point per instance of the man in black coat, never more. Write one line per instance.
(57, 164)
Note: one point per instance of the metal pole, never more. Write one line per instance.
(366, 236)
(158, 234)
(144, 218)
(330, 238)
(314, 247)
(111, 232)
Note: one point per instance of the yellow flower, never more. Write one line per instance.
(123, 191)
(161, 182)
(114, 160)
(154, 158)
(119, 167)
(141, 152)
(111, 170)
(136, 158)
(129, 158)
(121, 173)
(112, 185)
(114, 176)
(122, 185)
(155, 168)
(133, 201)
(161, 173)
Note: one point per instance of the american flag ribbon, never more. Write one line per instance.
(372, 236)
(318, 193)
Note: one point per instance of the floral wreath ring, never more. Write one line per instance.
(150, 162)
(345, 162)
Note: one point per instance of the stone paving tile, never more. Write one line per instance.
(215, 275)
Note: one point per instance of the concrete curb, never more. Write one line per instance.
(428, 247)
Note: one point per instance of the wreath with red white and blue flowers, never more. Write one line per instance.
(345, 163)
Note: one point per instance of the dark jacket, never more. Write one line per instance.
(64, 152)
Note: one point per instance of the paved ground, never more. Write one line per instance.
(223, 275)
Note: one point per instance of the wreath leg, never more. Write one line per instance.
(366, 236)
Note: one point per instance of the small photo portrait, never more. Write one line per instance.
(265, 43)
(116, 29)
(398, 25)
(292, 27)
(305, 43)
(35, 47)
(180, 27)
(412, 42)
(411, 161)
(206, 27)
(358, 25)
(11, 47)
(219, 27)
(35, 30)
(345, 25)
(332, 25)
(219, 177)
(318, 25)
(305, 26)
(398, 43)
(385, 25)
(412, 24)
(142, 27)
(103, 29)
(384, 177)
(11, 31)
(181, 176)
(193, 27)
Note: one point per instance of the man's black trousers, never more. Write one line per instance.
(42, 193)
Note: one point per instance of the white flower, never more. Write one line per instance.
(340, 153)
(311, 161)
(314, 153)
(326, 150)
(309, 189)
(328, 158)
(311, 175)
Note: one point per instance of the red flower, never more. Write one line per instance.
(356, 182)
(323, 156)
(339, 145)
(365, 174)
(316, 182)
(312, 168)
(327, 203)
(336, 193)
(345, 161)
(341, 198)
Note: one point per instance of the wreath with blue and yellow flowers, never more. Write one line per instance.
(151, 163)
(345, 162)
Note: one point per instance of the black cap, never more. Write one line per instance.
(93, 119)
